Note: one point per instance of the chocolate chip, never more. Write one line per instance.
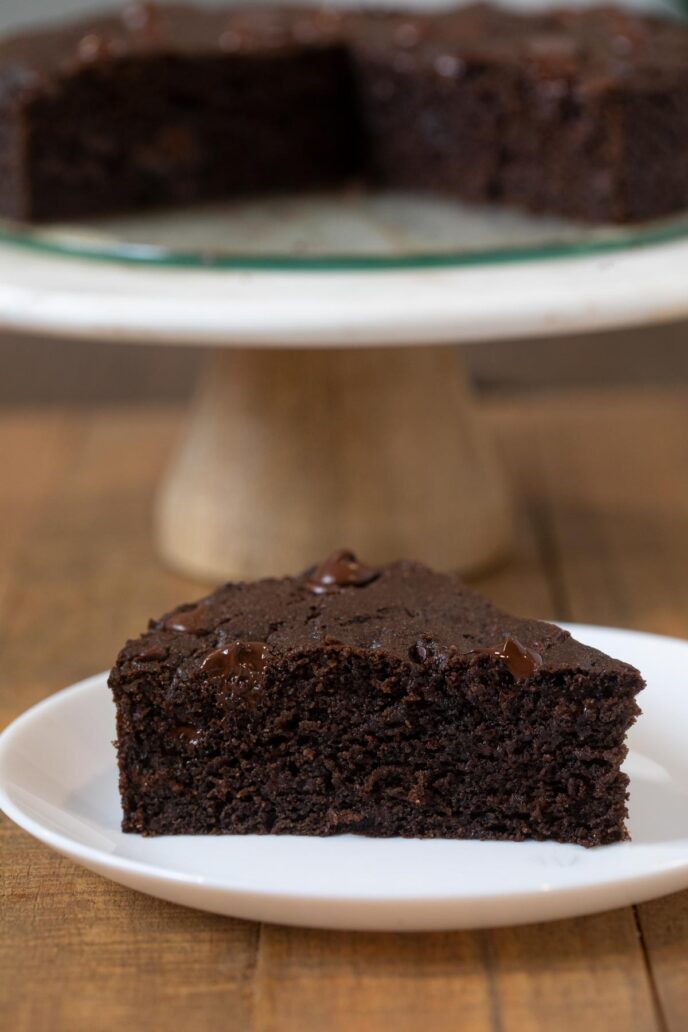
(520, 661)
(340, 570)
(187, 733)
(151, 652)
(243, 661)
(192, 621)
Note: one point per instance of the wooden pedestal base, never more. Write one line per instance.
(292, 454)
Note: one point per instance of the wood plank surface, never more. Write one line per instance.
(602, 479)
(80, 953)
(614, 493)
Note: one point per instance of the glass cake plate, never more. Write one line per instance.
(58, 781)
(346, 230)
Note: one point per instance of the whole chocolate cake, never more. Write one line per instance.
(582, 113)
(390, 701)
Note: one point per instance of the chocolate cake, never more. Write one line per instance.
(582, 113)
(390, 701)
(579, 112)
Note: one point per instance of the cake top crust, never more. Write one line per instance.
(404, 611)
(599, 45)
(604, 41)
(33, 58)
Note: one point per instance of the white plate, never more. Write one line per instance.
(58, 781)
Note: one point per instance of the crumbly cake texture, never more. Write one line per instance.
(171, 105)
(583, 113)
(385, 702)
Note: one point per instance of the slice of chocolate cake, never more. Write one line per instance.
(391, 701)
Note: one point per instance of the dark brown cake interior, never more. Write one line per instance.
(194, 105)
(404, 704)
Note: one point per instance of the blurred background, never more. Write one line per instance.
(42, 371)
(24, 12)
(49, 371)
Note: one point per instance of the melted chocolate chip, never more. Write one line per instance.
(191, 621)
(340, 570)
(243, 661)
(520, 661)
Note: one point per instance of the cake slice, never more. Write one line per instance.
(381, 701)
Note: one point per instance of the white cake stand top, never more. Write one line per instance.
(102, 299)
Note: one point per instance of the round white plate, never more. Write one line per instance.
(58, 781)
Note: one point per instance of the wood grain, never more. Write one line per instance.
(307, 981)
(601, 478)
(613, 497)
(76, 952)
(288, 454)
(80, 953)
(586, 973)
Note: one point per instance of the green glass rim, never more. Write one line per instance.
(151, 255)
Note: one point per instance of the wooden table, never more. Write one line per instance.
(603, 481)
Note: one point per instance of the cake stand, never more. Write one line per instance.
(332, 410)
